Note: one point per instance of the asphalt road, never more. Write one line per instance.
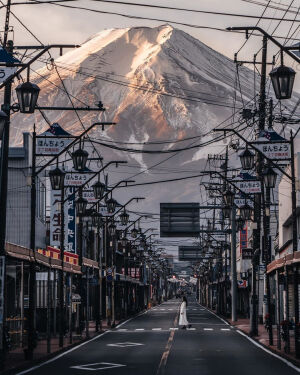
(152, 344)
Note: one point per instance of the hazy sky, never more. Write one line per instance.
(51, 23)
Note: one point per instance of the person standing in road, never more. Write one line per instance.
(182, 318)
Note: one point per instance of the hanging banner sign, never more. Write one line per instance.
(275, 151)
(273, 145)
(249, 187)
(218, 236)
(239, 202)
(70, 231)
(89, 196)
(75, 179)
(69, 220)
(247, 253)
(53, 141)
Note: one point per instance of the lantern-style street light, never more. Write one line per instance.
(269, 177)
(133, 250)
(57, 177)
(124, 241)
(80, 158)
(239, 224)
(283, 79)
(124, 217)
(226, 211)
(112, 229)
(111, 205)
(97, 219)
(27, 94)
(247, 159)
(99, 189)
(134, 232)
(81, 204)
(229, 198)
(246, 212)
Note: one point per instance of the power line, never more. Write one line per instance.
(59, 3)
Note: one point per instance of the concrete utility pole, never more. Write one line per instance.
(257, 201)
(3, 196)
(233, 266)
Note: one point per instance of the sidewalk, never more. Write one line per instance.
(15, 360)
(263, 338)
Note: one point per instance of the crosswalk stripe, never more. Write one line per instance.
(156, 329)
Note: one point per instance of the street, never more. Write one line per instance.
(152, 343)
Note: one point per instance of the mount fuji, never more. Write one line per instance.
(160, 85)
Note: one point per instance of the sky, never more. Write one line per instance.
(55, 24)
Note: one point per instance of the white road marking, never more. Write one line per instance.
(122, 329)
(208, 329)
(125, 344)
(173, 328)
(92, 366)
(140, 329)
(191, 329)
(156, 329)
(77, 346)
(225, 329)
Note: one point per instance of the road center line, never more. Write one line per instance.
(162, 364)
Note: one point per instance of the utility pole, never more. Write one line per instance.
(8, 45)
(233, 266)
(61, 279)
(257, 200)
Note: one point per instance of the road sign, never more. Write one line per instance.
(179, 219)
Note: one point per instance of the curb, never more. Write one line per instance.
(37, 361)
(274, 351)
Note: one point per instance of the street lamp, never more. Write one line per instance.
(112, 229)
(134, 233)
(96, 219)
(239, 224)
(124, 217)
(27, 94)
(79, 158)
(3, 118)
(226, 211)
(99, 189)
(269, 177)
(57, 178)
(81, 204)
(283, 81)
(247, 159)
(133, 250)
(111, 205)
(229, 197)
(246, 212)
(124, 241)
